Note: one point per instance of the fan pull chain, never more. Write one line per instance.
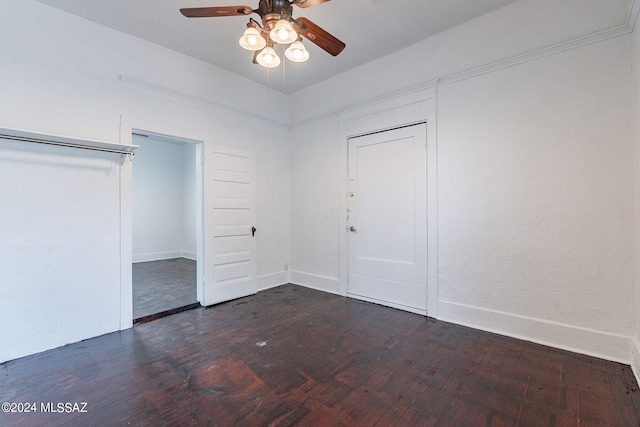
(284, 72)
(268, 85)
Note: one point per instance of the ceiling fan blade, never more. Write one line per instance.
(319, 36)
(308, 3)
(209, 12)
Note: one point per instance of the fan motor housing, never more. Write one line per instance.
(272, 10)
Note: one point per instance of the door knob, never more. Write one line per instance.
(352, 229)
(253, 231)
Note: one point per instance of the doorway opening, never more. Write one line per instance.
(165, 226)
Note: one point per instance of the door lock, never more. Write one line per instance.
(352, 229)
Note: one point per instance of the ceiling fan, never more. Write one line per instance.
(278, 26)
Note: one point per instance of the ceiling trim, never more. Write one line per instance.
(618, 31)
(538, 54)
(163, 90)
(402, 93)
(610, 33)
(633, 15)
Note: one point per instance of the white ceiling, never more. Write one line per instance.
(370, 29)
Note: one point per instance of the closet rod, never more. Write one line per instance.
(65, 144)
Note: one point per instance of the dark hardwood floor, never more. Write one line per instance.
(291, 355)
(163, 286)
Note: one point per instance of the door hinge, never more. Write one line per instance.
(202, 159)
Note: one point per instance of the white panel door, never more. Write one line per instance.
(231, 267)
(387, 204)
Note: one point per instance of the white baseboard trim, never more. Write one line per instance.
(635, 358)
(599, 344)
(320, 283)
(273, 280)
(159, 256)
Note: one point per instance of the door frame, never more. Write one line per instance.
(128, 126)
(416, 107)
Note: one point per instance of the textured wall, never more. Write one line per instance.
(59, 243)
(535, 189)
(61, 75)
(164, 208)
(314, 194)
(535, 171)
(516, 29)
(635, 54)
(535, 164)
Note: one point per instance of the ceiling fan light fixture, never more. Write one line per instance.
(283, 32)
(297, 52)
(268, 58)
(277, 27)
(252, 39)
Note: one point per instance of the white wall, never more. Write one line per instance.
(164, 205)
(535, 170)
(520, 28)
(314, 196)
(535, 196)
(635, 54)
(189, 204)
(62, 75)
(59, 243)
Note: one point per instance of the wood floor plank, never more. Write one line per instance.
(163, 285)
(294, 356)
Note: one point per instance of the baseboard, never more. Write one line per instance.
(635, 358)
(159, 256)
(272, 280)
(320, 283)
(599, 344)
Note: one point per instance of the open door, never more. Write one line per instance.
(230, 232)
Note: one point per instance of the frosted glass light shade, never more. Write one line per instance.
(268, 58)
(283, 32)
(297, 52)
(252, 39)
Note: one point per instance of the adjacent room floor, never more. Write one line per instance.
(292, 355)
(160, 286)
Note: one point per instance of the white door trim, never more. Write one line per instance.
(127, 126)
(416, 107)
